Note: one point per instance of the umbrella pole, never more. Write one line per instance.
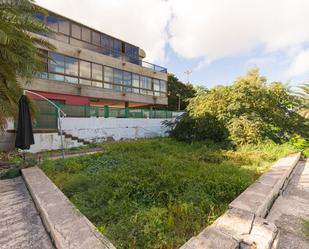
(61, 134)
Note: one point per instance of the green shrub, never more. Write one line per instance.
(252, 110)
(206, 127)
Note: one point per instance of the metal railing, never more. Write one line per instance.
(46, 116)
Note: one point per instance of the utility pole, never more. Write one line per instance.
(188, 72)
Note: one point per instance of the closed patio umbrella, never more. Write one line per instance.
(24, 135)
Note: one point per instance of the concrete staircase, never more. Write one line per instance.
(74, 138)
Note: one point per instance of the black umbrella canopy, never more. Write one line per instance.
(24, 136)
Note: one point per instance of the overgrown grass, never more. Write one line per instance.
(158, 193)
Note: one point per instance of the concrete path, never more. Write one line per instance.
(291, 207)
(20, 224)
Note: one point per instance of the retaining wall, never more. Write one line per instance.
(244, 225)
(102, 129)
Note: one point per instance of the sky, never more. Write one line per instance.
(216, 40)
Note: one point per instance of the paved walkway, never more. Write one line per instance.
(291, 207)
(20, 224)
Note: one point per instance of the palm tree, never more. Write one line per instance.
(20, 56)
(303, 94)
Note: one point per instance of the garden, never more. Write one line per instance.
(158, 193)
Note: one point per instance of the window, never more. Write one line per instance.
(71, 79)
(76, 31)
(96, 38)
(163, 87)
(106, 42)
(127, 81)
(135, 80)
(85, 82)
(71, 66)
(145, 82)
(86, 34)
(84, 69)
(117, 46)
(117, 76)
(56, 63)
(108, 86)
(64, 26)
(127, 78)
(40, 17)
(57, 77)
(108, 74)
(135, 90)
(52, 22)
(97, 72)
(156, 85)
(131, 53)
(97, 84)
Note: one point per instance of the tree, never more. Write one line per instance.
(20, 56)
(303, 94)
(252, 110)
(176, 87)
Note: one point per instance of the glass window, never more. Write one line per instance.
(135, 90)
(56, 63)
(156, 93)
(84, 69)
(97, 84)
(58, 77)
(117, 76)
(52, 22)
(117, 88)
(85, 82)
(135, 80)
(96, 38)
(127, 78)
(106, 42)
(76, 31)
(97, 72)
(163, 87)
(64, 26)
(71, 66)
(108, 74)
(145, 82)
(108, 86)
(86, 34)
(117, 46)
(40, 17)
(156, 85)
(142, 91)
(71, 79)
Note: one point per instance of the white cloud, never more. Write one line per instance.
(142, 23)
(221, 28)
(300, 64)
(204, 29)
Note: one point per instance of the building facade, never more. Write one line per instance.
(92, 68)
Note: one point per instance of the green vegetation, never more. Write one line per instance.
(251, 110)
(158, 193)
(20, 57)
(175, 88)
(306, 228)
(303, 94)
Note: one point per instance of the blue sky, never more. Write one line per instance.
(218, 40)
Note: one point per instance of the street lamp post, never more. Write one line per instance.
(178, 95)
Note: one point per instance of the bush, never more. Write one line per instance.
(252, 110)
(206, 127)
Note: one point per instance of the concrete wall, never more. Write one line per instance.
(7, 139)
(102, 129)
